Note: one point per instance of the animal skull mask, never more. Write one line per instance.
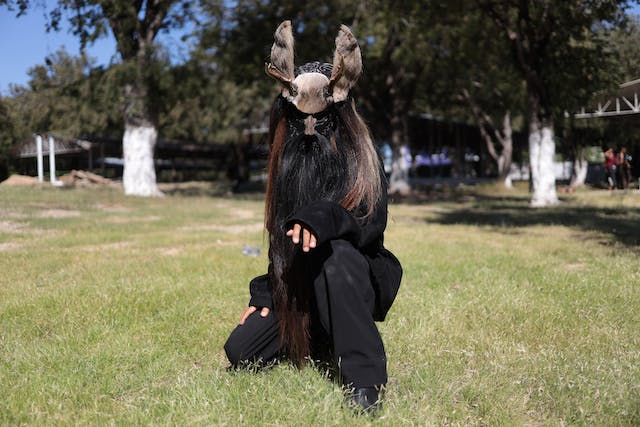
(312, 87)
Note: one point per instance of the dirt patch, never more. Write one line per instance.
(228, 243)
(6, 213)
(59, 213)
(232, 228)
(18, 180)
(242, 213)
(129, 220)
(105, 247)
(577, 266)
(11, 227)
(170, 251)
(9, 246)
(113, 208)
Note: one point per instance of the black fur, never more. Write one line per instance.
(311, 168)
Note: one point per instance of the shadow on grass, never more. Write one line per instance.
(219, 188)
(508, 213)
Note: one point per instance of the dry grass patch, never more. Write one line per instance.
(230, 228)
(12, 227)
(132, 219)
(59, 213)
(9, 246)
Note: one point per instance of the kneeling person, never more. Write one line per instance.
(329, 277)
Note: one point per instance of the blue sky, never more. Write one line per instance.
(24, 43)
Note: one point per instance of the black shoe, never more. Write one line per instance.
(367, 399)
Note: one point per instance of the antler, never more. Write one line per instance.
(282, 64)
(285, 81)
(347, 64)
(336, 74)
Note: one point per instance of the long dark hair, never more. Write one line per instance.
(338, 164)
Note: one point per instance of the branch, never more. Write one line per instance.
(483, 121)
(154, 17)
(520, 36)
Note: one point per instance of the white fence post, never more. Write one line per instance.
(39, 157)
(52, 161)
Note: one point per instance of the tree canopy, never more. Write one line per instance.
(419, 56)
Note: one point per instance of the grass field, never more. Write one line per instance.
(114, 310)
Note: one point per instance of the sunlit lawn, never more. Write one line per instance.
(114, 310)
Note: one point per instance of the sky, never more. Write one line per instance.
(25, 43)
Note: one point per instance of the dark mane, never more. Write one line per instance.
(339, 164)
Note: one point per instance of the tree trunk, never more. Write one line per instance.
(542, 150)
(140, 134)
(506, 156)
(399, 179)
(505, 139)
(493, 137)
(579, 170)
(138, 143)
(580, 164)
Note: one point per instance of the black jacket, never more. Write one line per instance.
(330, 221)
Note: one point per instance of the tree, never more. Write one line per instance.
(135, 25)
(66, 96)
(235, 43)
(206, 107)
(625, 43)
(402, 42)
(545, 38)
(481, 75)
(619, 64)
(399, 41)
(6, 138)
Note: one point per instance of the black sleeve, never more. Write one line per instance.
(330, 221)
(260, 290)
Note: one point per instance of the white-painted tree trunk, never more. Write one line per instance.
(580, 169)
(542, 151)
(502, 171)
(399, 179)
(139, 177)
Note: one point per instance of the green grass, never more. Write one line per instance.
(114, 310)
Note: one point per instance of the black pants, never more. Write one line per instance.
(342, 319)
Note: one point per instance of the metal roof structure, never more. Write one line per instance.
(625, 102)
(28, 148)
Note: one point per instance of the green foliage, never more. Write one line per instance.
(6, 127)
(235, 43)
(67, 96)
(114, 310)
(207, 108)
(6, 138)
(134, 24)
(243, 44)
(401, 43)
(624, 42)
(550, 40)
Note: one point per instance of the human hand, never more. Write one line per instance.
(309, 240)
(250, 310)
